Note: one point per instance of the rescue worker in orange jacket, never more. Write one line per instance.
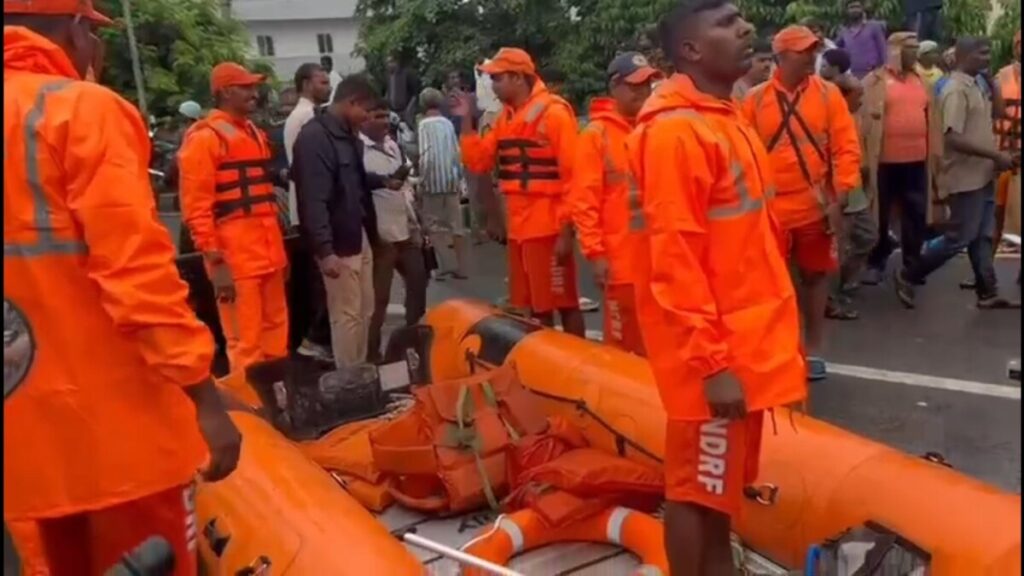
(106, 369)
(815, 154)
(716, 305)
(533, 144)
(604, 199)
(1008, 131)
(229, 206)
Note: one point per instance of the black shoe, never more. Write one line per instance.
(904, 289)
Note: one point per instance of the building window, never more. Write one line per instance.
(325, 43)
(265, 45)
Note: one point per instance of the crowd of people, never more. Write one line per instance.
(691, 193)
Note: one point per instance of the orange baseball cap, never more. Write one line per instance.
(509, 60)
(83, 8)
(632, 68)
(230, 74)
(794, 39)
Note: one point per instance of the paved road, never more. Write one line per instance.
(932, 379)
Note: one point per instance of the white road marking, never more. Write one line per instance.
(925, 381)
(905, 378)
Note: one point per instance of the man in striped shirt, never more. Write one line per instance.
(441, 181)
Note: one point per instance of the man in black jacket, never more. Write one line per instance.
(337, 213)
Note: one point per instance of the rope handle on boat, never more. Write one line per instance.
(581, 405)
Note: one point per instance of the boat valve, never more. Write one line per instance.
(764, 494)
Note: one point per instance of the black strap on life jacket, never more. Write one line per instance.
(246, 200)
(523, 160)
(789, 112)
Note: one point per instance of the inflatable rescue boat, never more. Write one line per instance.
(820, 488)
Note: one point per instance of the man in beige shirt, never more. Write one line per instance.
(968, 169)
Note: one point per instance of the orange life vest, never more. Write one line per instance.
(450, 453)
(244, 182)
(1008, 130)
(227, 195)
(527, 163)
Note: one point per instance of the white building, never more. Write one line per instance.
(289, 33)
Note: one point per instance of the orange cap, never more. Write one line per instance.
(509, 60)
(230, 74)
(81, 8)
(794, 39)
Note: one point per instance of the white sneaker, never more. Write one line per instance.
(588, 305)
(315, 351)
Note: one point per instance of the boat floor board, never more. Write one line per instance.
(577, 558)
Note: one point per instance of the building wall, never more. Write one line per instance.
(295, 42)
(294, 25)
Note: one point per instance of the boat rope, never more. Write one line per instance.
(581, 405)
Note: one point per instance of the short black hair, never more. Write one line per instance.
(671, 27)
(762, 46)
(839, 58)
(326, 61)
(355, 87)
(305, 74)
(970, 44)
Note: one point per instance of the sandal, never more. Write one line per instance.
(816, 369)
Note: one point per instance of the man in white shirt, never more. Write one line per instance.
(400, 245)
(313, 88)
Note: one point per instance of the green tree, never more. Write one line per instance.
(179, 42)
(443, 35)
(1003, 29)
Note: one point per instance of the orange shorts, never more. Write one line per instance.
(710, 462)
(536, 280)
(91, 543)
(621, 326)
(813, 248)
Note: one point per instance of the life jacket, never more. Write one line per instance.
(582, 481)
(527, 163)
(450, 452)
(244, 181)
(1008, 130)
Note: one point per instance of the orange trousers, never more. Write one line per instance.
(256, 323)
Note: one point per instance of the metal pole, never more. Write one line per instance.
(133, 49)
(457, 555)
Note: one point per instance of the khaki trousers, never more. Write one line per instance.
(350, 307)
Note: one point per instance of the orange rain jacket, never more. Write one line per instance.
(604, 199)
(712, 288)
(100, 417)
(544, 131)
(832, 174)
(227, 195)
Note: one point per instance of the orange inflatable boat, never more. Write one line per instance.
(817, 481)
(280, 513)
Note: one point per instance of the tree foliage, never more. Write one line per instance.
(579, 37)
(179, 42)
